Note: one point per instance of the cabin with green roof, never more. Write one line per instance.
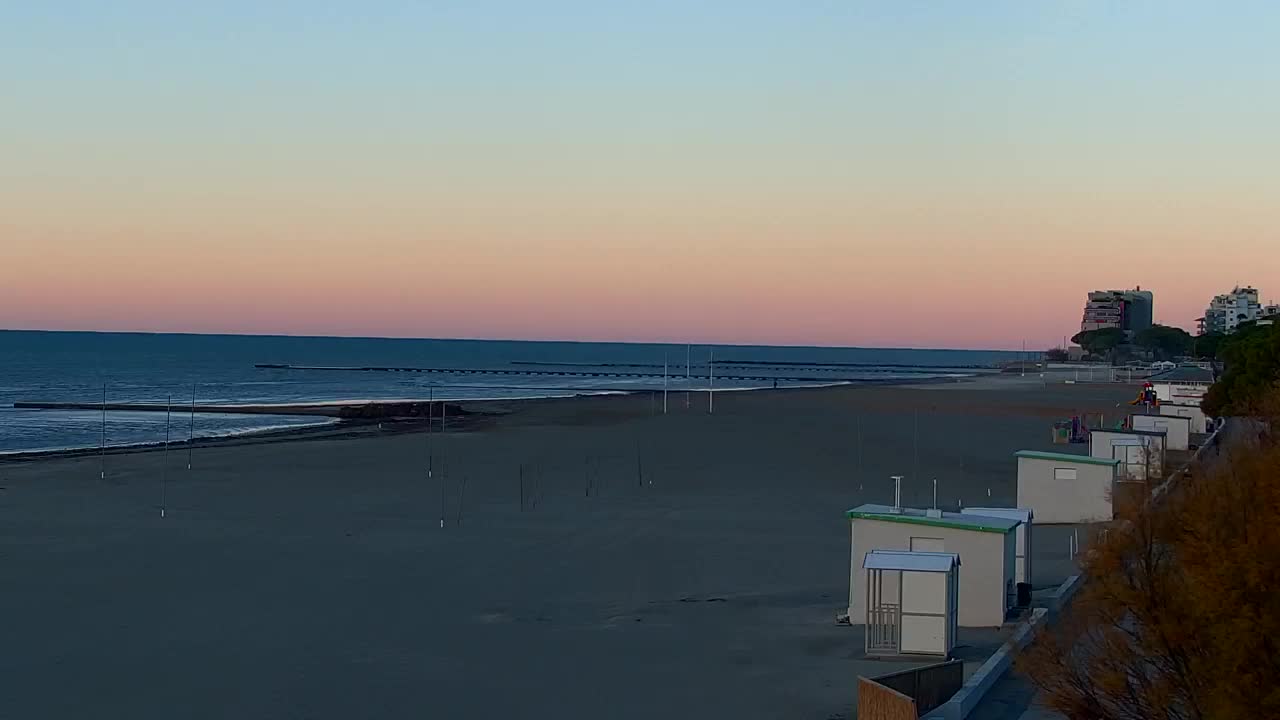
(987, 547)
(1066, 488)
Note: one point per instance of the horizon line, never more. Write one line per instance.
(674, 343)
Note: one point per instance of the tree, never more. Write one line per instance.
(1100, 343)
(1056, 355)
(1164, 342)
(1177, 617)
(1252, 359)
(1206, 346)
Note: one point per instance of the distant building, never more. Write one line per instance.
(1227, 311)
(1127, 310)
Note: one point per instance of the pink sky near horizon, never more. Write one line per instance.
(949, 177)
(909, 290)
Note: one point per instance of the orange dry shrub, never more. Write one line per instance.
(1179, 615)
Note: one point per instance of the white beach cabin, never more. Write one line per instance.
(1063, 488)
(912, 601)
(986, 545)
(1025, 516)
(1199, 421)
(1184, 384)
(1177, 429)
(1151, 466)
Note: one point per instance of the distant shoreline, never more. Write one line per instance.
(466, 415)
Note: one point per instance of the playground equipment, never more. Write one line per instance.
(1074, 429)
(1146, 396)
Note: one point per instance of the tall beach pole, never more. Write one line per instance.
(164, 459)
(666, 362)
(688, 366)
(431, 457)
(102, 447)
(191, 434)
(711, 386)
(859, 446)
(915, 447)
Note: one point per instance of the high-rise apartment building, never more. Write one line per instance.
(1227, 311)
(1127, 310)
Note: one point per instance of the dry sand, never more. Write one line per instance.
(312, 579)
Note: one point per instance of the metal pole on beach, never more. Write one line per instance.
(431, 457)
(859, 446)
(191, 434)
(688, 365)
(666, 361)
(711, 387)
(915, 447)
(431, 404)
(102, 448)
(164, 459)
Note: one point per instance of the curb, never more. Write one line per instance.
(981, 682)
(1064, 593)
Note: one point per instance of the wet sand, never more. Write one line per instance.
(683, 565)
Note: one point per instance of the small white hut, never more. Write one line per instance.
(912, 602)
(1063, 488)
(1177, 429)
(1022, 570)
(1185, 384)
(1152, 442)
(987, 545)
(1199, 422)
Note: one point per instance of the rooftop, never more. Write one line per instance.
(1014, 513)
(907, 560)
(918, 516)
(1187, 373)
(1068, 457)
(1131, 431)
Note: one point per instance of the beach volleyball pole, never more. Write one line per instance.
(666, 362)
(431, 458)
(164, 459)
(859, 447)
(191, 434)
(102, 448)
(711, 386)
(915, 447)
(688, 366)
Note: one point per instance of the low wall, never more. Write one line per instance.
(986, 676)
(928, 686)
(968, 697)
(877, 702)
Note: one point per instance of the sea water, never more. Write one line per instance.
(141, 367)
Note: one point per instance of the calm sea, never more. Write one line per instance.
(74, 367)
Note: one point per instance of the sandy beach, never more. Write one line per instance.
(686, 565)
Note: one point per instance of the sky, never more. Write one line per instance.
(907, 174)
